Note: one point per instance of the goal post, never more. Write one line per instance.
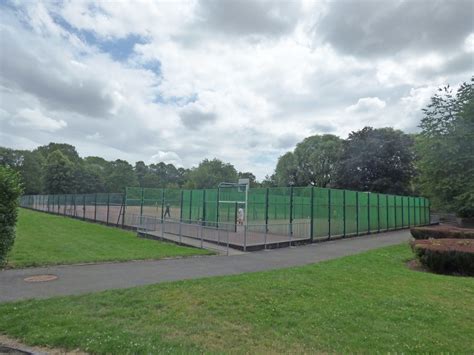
(235, 193)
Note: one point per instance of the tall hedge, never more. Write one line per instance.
(10, 191)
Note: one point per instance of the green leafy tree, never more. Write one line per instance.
(210, 173)
(316, 160)
(141, 170)
(10, 191)
(89, 178)
(248, 175)
(119, 175)
(268, 181)
(286, 171)
(446, 150)
(68, 150)
(378, 160)
(59, 174)
(28, 164)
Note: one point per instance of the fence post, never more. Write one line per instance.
(343, 213)
(409, 212)
(403, 217)
(266, 209)
(75, 215)
(84, 207)
(200, 232)
(378, 212)
(141, 202)
(95, 207)
(181, 207)
(388, 218)
(419, 210)
(291, 210)
(311, 222)
(204, 206)
(395, 210)
(217, 208)
(235, 217)
(357, 212)
(329, 214)
(368, 212)
(124, 206)
(108, 208)
(162, 203)
(190, 204)
(245, 238)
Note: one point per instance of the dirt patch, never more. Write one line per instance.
(441, 232)
(448, 244)
(37, 350)
(415, 265)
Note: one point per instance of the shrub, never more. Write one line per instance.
(446, 256)
(441, 232)
(466, 212)
(10, 191)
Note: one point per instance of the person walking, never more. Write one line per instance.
(167, 211)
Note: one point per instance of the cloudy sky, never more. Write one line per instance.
(242, 81)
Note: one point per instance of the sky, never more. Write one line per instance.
(242, 81)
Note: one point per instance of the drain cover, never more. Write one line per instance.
(8, 350)
(41, 278)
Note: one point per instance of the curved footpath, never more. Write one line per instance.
(80, 279)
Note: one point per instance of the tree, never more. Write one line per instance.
(10, 191)
(69, 151)
(210, 173)
(59, 174)
(286, 170)
(119, 175)
(316, 160)
(250, 176)
(89, 178)
(377, 160)
(28, 164)
(446, 150)
(141, 170)
(268, 181)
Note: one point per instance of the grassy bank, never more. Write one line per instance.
(369, 302)
(44, 239)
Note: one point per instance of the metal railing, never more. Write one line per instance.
(229, 235)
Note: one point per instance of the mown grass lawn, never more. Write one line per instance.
(44, 239)
(369, 302)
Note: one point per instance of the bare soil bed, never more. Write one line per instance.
(442, 231)
(447, 244)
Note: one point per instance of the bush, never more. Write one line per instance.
(466, 212)
(10, 191)
(446, 256)
(442, 232)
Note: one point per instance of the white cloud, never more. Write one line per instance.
(35, 119)
(469, 43)
(242, 83)
(367, 104)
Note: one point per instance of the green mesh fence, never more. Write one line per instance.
(316, 213)
(351, 212)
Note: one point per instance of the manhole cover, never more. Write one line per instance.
(8, 350)
(41, 278)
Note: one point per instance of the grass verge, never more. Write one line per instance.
(369, 302)
(44, 239)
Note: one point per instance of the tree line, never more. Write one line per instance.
(438, 162)
(57, 168)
